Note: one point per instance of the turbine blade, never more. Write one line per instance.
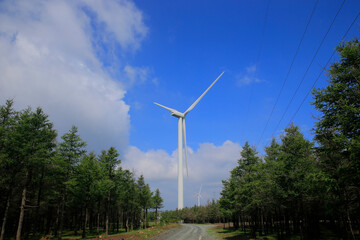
(167, 108)
(202, 95)
(200, 189)
(184, 134)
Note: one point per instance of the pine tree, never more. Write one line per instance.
(338, 133)
(69, 154)
(145, 197)
(109, 161)
(8, 165)
(83, 186)
(32, 144)
(157, 202)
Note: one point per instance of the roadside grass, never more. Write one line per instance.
(139, 234)
(237, 234)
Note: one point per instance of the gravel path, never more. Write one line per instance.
(186, 232)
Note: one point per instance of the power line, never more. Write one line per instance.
(263, 33)
(311, 62)
(258, 57)
(306, 96)
(288, 73)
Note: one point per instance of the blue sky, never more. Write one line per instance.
(100, 65)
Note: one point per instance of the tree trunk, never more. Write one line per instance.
(89, 220)
(145, 217)
(98, 223)
(5, 215)
(49, 220)
(37, 214)
(236, 222)
(21, 217)
(127, 224)
(57, 221)
(76, 222)
(350, 225)
(85, 222)
(23, 201)
(156, 216)
(107, 215)
(61, 219)
(287, 224)
(132, 222)
(98, 219)
(117, 221)
(262, 230)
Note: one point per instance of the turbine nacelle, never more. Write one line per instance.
(177, 114)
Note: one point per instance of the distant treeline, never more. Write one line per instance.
(49, 187)
(210, 213)
(300, 188)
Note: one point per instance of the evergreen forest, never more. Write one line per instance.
(49, 187)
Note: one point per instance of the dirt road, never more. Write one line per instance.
(186, 232)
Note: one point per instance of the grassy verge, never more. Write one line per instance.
(134, 235)
(232, 234)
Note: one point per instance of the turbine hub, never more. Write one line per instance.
(177, 114)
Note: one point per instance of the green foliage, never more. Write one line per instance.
(27, 141)
(145, 195)
(157, 200)
(210, 213)
(284, 184)
(339, 101)
(338, 134)
(84, 184)
(109, 160)
(70, 150)
(8, 165)
(60, 186)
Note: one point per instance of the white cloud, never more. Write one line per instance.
(251, 69)
(208, 165)
(122, 18)
(154, 164)
(249, 77)
(136, 74)
(159, 165)
(213, 163)
(48, 58)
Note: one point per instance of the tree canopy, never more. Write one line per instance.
(49, 187)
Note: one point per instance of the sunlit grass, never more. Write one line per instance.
(138, 234)
(232, 234)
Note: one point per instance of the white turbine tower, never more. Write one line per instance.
(199, 196)
(181, 132)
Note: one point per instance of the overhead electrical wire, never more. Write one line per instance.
(263, 33)
(289, 70)
(307, 70)
(327, 63)
(258, 56)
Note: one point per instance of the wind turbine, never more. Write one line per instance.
(181, 132)
(199, 196)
